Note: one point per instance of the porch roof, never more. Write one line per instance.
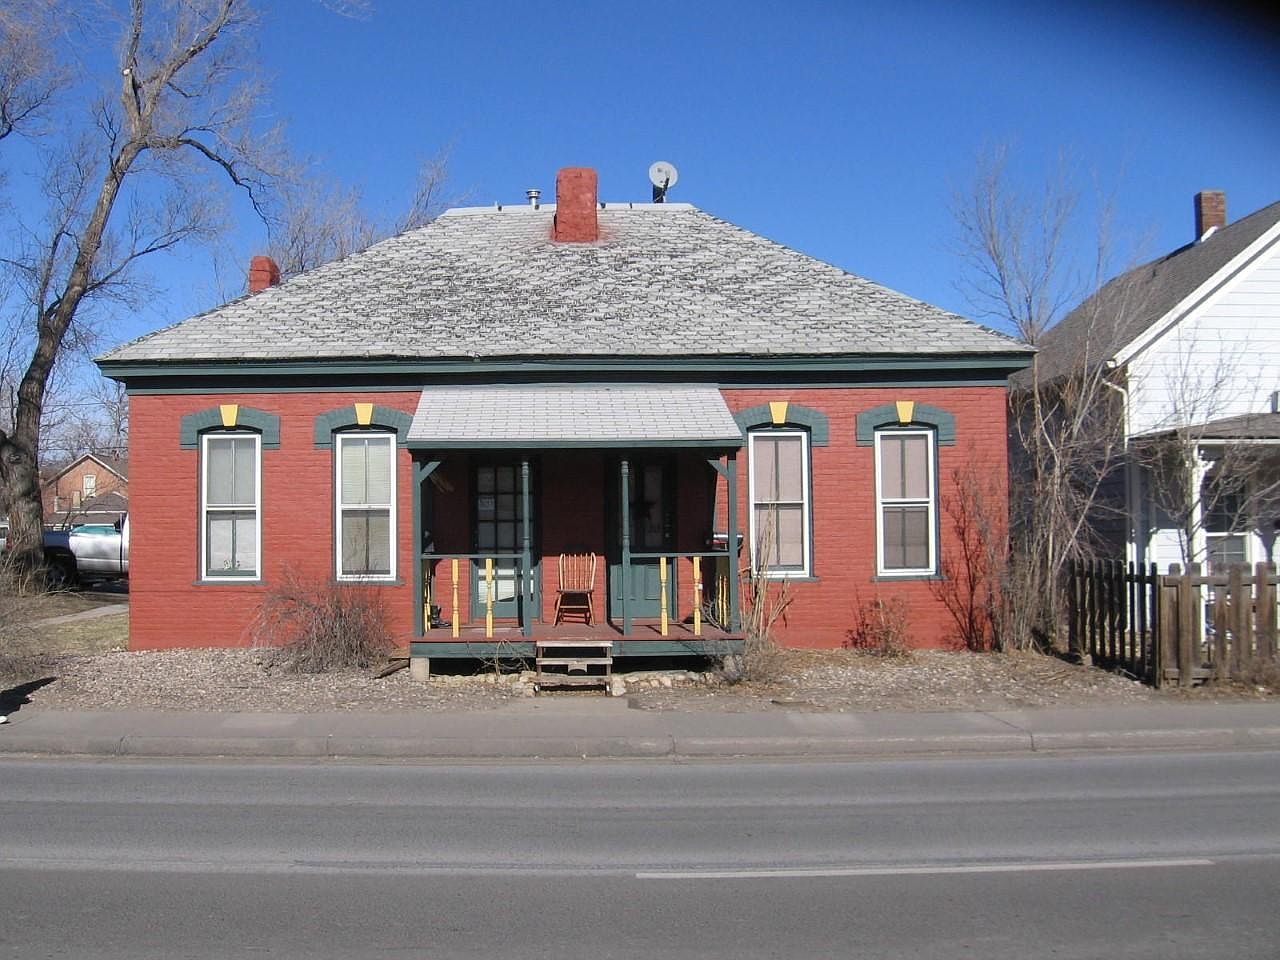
(474, 417)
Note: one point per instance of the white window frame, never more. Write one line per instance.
(806, 511)
(89, 483)
(205, 509)
(931, 502)
(339, 439)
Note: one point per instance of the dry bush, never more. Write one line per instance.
(764, 601)
(975, 570)
(881, 628)
(313, 626)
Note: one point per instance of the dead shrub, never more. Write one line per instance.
(881, 627)
(314, 626)
(763, 603)
(1262, 672)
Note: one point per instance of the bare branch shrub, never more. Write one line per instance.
(881, 628)
(314, 626)
(975, 571)
(764, 601)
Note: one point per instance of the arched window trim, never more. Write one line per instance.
(798, 415)
(247, 418)
(383, 419)
(886, 415)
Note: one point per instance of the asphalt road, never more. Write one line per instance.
(1157, 855)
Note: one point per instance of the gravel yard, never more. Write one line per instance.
(242, 681)
(88, 670)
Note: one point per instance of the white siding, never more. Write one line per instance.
(1222, 361)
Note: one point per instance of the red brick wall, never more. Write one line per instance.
(168, 607)
(844, 514)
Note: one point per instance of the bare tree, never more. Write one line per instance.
(29, 75)
(1067, 435)
(130, 181)
(320, 221)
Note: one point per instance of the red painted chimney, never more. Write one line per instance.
(1211, 211)
(575, 220)
(263, 273)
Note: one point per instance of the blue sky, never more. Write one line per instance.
(838, 128)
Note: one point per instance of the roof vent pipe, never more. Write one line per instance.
(533, 196)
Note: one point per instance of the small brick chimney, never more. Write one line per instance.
(1211, 211)
(263, 273)
(576, 192)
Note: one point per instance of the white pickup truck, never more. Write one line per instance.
(92, 551)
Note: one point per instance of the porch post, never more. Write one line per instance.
(419, 476)
(526, 555)
(625, 503)
(731, 483)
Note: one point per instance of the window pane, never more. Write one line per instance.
(764, 467)
(790, 477)
(366, 542)
(354, 486)
(906, 538)
(484, 480)
(891, 485)
(790, 548)
(231, 545)
(915, 467)
(219, 469)
(379, 461)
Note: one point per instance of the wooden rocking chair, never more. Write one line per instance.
(577, 585)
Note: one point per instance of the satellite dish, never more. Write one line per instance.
(663, 176)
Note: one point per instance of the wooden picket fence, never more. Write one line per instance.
(1181, 627)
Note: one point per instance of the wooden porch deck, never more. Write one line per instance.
(644, 640)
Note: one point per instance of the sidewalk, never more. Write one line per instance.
(601, 727)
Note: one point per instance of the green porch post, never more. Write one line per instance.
(625, 504)
(731, 482)
(421, 471)
(526, 553)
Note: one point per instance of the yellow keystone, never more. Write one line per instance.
(906, 410)
(230, 413)
(364, 414)
(778, 412)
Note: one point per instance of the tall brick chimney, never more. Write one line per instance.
(1211, 211)
(576, 192)
(263, 273)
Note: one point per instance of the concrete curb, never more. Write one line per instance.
(143, 746)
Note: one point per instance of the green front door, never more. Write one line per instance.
(498, 526)
(651, 499)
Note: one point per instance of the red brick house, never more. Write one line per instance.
(88, 489)
(643, 383)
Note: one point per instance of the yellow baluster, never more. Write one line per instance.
(697, 596)
(454, 566)
(662, 579)
(488, 597)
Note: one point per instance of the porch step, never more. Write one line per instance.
(573, 663)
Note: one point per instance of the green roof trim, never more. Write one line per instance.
(344, 418)
(815, 421)
(247, 418)
(886, 415)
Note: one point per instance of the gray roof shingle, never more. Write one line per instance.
(588, 415)
(1106, 322)
(664, 280)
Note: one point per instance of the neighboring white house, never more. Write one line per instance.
(1192, 345)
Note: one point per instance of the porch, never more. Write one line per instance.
(640, 483)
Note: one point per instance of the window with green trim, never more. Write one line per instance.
(230, 505)
(366, 499)
(779, 492)
(906, 502)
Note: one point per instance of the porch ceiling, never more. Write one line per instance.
(573, 416)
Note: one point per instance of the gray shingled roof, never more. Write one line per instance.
(586, 415)
(1105, 323)
(664, 280)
